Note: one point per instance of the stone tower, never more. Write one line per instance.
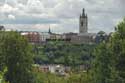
(83, 23)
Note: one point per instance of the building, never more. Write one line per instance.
(33, 37)
(77, 38)
(88, 38)
(83, 22)
(69, 35)
(83, 36)
(44, 36)
(52, 68)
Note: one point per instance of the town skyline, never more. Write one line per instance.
(61, 16)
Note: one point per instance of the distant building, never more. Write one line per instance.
(55, 69)
(59, 69)
(83, 36)
(83, 22)
(53, 36)
(69, 35)
(49, 31)
(44, 36)
(33, 37)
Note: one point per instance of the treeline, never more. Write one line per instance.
(64, 53)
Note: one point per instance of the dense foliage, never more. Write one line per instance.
(43, 77)
(109, 62)
(118, 50)
(102, 64)
(64, 53)
(16, 56)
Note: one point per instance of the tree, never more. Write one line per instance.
(3, 68)
(101, 36)
(18, 58)
(109, 61)
(2, 80)
(101, 68)
(118, 50)
(2, 58)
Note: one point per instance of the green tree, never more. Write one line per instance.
(109, 61)
(3, 68)
(18, 58)
(2, 80)
(2, 58)
(118, 50)
(101, 68)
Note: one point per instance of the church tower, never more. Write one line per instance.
(49, 31)
(83, 23)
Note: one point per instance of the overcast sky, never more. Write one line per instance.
(61, 15)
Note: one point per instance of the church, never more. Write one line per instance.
(83, 36)
(83, 23)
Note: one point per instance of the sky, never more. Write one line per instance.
(60, 15)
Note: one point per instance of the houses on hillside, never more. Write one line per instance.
(59, 69)
(54, 69)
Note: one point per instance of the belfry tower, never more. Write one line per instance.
(83, 23)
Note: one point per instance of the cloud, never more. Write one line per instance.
(11, 17)
(63, 15)
(35, 6)
(6, 8)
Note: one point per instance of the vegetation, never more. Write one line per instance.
(2, 80)
(64, 53)
(102, 64)
(109, 61)
(106, 61)
(118, 50)
(42, 77)
(16, 57)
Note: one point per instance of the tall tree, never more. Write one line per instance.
(101, 69)
(2, 58)
(118, 48)
(18, 59)
(109, 62)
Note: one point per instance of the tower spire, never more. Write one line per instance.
(83, 12)
(49, 30)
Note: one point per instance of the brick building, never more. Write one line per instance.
(33, 37)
